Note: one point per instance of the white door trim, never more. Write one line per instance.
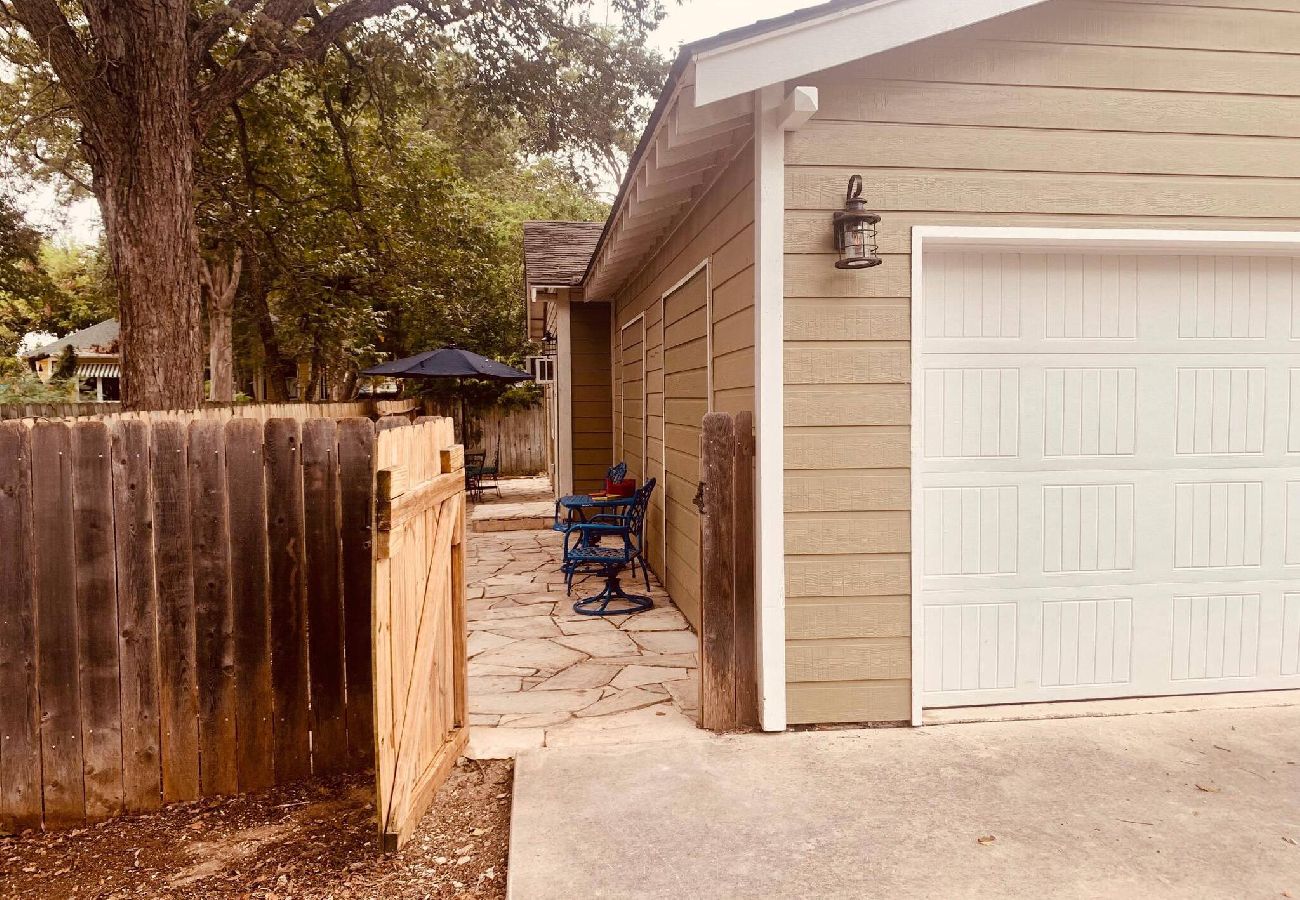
(932, 237)
(564, 397)
(622, 400)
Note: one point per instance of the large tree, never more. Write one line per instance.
(146, 81)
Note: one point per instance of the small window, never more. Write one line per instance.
(542, 368)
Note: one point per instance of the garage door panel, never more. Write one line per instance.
(1107, 503)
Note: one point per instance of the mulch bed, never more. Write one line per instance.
(307, 840)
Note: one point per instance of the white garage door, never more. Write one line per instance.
(1108, 465)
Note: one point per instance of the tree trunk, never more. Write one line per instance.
(276, 369)
(220, 283)
(144, 179)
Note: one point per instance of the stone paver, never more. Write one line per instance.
(543, 676)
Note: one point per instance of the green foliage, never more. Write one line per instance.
(66, 367)
(44, 287)
(378, 193)
(25, 288)
(381, 208)
(27, 388)
(85, 294)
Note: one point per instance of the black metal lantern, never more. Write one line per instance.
(855, 231)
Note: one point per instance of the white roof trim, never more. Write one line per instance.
(832, 40)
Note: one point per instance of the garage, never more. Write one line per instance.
(1106, 494)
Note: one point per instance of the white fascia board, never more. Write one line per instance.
(833, 40)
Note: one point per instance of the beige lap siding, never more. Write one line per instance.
(629, 429)
(720, 229)
(593, 447)
(1074, 113)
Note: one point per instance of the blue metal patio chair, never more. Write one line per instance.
(624, 548)
(617, 472)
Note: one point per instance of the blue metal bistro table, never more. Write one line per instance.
(586, 522)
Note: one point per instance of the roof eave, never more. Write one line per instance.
(839, 36)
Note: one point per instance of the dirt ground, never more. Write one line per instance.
(308, 840)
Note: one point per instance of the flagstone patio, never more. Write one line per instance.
(542, 675)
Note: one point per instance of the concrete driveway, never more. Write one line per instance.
(1185, 804)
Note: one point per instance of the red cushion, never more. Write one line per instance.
(624, 488)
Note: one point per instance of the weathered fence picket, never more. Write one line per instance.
(517, 437)
(186, 610)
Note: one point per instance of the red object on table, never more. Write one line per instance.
(624, 488)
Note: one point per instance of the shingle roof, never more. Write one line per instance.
(557, 253)
(101, 337)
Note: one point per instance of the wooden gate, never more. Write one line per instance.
(419, 620)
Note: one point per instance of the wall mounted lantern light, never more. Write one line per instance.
(855, 231)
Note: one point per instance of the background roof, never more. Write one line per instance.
(100, 338)
(557, 253)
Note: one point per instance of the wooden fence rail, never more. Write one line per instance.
(221, 411)
(728, 633)
(185, 609)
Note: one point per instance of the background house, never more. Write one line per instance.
(1046, 449)
(98, 373)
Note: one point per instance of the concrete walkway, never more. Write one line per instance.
(1177, 805)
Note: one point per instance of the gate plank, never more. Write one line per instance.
(137, 610)
(213, 615)
(96, 592)
(289, 675)
(179, 723)
(56, 613)
(20, 751)
(718, 606)
(249, 587)
(324, 595)
(746, 638)
(356, 481)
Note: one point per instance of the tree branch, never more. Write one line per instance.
(75, 68)
(208, 32)
(261, 58)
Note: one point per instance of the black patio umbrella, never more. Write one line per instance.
(448, 362)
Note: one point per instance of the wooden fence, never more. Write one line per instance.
(420, 633)
(185, 608)
(728, 634)
(263, 411)
(519, 433)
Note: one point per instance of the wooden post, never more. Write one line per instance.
(742, 493)
(718, 590)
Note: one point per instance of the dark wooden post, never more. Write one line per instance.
(742, 493)
(718, 594)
